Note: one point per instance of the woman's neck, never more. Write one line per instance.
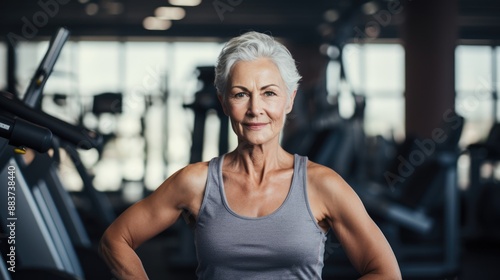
(258, 160)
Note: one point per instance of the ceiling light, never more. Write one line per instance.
(170, 13)
(331, 15)
(184, 2)
(154, 23)
(114, 8)
(91, 9)
(370, 8)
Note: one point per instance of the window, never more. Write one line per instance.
(100, 67)
(377, 72)
(474, 83)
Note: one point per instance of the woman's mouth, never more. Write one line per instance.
(255, 126)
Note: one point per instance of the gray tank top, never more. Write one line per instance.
(286, 244)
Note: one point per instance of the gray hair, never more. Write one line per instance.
(251, 46)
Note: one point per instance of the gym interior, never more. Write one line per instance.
(101, 100)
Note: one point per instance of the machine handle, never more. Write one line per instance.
(22, 133)
(33, 94)
(81, 137)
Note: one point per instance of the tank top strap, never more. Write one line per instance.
(298, 193)
(212, 198)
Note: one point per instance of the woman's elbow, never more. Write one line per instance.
(394, 275)
(384, 270)
(392, 272)
(104, 246)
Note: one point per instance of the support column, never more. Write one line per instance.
(430, 37)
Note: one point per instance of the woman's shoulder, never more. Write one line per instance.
(320, 172)
(324, 179)
(329, 191)
(185, 187)
(192, 175)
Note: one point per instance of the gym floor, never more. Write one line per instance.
(480, 260)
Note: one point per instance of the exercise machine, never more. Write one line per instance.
(42, 238)
(49, 234)
(418, 209)
(482, 212)
(205, 101)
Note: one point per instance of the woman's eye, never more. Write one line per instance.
(239, 95)
(269, 93)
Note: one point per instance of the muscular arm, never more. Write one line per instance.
(364, 243)
(148, 217)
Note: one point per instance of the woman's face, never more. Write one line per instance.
(256, 101)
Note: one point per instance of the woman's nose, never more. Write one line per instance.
(255, 105)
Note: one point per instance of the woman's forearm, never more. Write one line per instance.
(122, 260)
(390, 274)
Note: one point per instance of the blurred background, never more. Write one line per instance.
(398, 96)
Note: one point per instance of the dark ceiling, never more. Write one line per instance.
(298, 20)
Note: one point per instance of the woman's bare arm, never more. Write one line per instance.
(148, 217)
(364, 243)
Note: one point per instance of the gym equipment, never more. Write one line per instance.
(418, 210)
(11, 67)
(206, 100)
(332, 140)
(33, 95)
(70, 135)
(49, 212)
(78, 136)
(22, 133)
(49, 233)
(107, 102)
(41, 240)
(481, 211)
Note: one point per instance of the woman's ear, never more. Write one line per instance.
(222, 103)
(289, 106)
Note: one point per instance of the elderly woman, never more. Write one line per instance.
(260, 212)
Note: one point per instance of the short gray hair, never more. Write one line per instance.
(252, 46)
